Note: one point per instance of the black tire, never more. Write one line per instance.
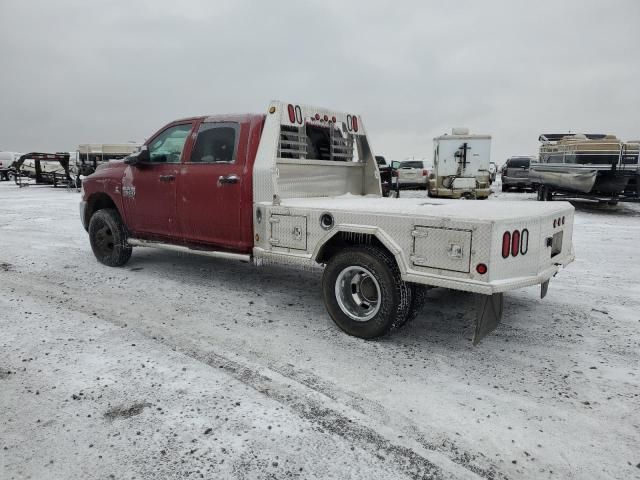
(393, 295)
(108, 237)
(544, 194)
(418, 301)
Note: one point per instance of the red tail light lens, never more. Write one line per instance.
(425, 173)
(481, 268)
(515, 243)
(292, 113)
(506, 244)
(354, 119)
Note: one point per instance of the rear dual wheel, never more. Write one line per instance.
(364, 292)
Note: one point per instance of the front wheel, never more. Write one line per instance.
(364, 292)
(108, 237)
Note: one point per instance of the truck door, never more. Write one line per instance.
(149, 188)
(210, 188)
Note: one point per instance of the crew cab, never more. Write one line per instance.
(300, 185)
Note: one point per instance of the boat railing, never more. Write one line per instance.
(616, 155)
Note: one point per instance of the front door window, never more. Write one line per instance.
(167, 147)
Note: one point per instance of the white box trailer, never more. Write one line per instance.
(461, 165)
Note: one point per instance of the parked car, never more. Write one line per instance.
(515, 173)
(298, 185)
(493, 171)
(388, 177)
(413, 174)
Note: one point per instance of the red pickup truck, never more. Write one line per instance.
(300, 185)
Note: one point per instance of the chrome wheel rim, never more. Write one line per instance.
(358, 293)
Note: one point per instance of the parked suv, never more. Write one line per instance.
(413, 174)
(515, 173)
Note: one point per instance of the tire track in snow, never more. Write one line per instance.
(310, 397)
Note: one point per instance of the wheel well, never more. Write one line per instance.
(97, 201)
(343, 240)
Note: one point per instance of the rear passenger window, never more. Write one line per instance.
(216, 143)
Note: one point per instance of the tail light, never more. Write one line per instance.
(425, 172)
(481, 268)
(292, 113)
(354, 119)
(524, 242)
(515, 243)
(506, 244)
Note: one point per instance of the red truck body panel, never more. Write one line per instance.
(185, 202)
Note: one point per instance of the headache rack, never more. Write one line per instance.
(315, 142)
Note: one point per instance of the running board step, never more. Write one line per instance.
(135, 242)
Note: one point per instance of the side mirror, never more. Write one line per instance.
(395, 165)
(142, 156)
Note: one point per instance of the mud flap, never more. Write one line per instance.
(488, 315)
(543, 289)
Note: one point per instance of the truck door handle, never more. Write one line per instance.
(167, 178)
(227, 179)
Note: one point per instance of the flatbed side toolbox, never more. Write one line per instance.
(442, 248)
(289, 231)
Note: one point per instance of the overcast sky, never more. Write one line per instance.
(112, 71)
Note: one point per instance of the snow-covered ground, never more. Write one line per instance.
(181, 366)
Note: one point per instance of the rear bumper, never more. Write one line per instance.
(422, 182)
(460, 192)
(516, 181)
(489, 288)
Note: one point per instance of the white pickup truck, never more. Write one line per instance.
(300, 185)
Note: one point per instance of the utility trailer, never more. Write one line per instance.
(299, 185)
(461, 163)
(44, 168)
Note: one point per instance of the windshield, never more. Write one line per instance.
(411, 164)
(518, 162)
